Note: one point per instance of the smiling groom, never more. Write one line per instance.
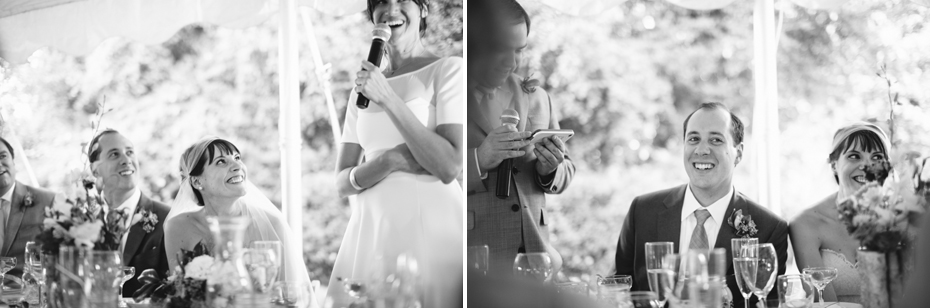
(697, 215)
(114, 163)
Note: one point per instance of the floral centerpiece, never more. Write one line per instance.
(186, 287)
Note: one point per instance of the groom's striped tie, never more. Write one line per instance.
(699, 235)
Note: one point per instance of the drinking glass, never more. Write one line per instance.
(644, 299)
(294, 293)
(6, 264)
(821, 277)
(702, 278)
(736, 246)
(33, 255)
(533, 265)
(795, 291)
(478, 259)
(126, 274)
(762, 279)
(267, 262)
(13, 292)
(655, 255)
(614, 283)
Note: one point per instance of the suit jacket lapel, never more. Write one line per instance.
(668, 222)
(136, 233)
(16, 216)
(476, 114)
(725, 234)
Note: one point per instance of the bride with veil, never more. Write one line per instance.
(215, 182)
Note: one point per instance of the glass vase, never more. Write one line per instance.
(103, 278)
(71, 270)
(229, 284)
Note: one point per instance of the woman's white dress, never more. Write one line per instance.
(846, 284)
(415, 215)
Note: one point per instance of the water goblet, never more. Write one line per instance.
(795, 291)
(821, 277)
(736, 246)
(534, 265)
(126, 274)
(759, 266)
(655, 254)
(262, 267)
(478, 259)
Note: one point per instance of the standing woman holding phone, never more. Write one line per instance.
(401, 156)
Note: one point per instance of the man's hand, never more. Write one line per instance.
(550, 152)
(401, 159)
(502, 143)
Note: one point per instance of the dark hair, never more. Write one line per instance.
(512, 10)
(93, 149)
(736, 125)
(208, 155)
(420, 3)
(9, 147)
(868, 140)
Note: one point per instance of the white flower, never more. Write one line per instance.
(199, 268)
(49, 223)
(62, 207)
(86, 234)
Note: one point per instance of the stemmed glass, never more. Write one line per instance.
(795, 291)
(13, 291)
(6, 264)
(821, 277)
(267, 256)
(615, 283)
(759, 266)
(126, 274)
(533, 265)
(655, 255)
(736, 246)
(478, 259)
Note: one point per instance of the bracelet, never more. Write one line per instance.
(353, 180)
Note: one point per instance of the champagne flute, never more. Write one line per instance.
(736, 246)
(655, 254)
(533, 265)
(766, 260)
(821, 277)
(478, 259)
(126, 274)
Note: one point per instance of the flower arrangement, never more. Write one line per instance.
(187, 285)
(880, 215)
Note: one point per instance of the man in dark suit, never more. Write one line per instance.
(22, 210)
(518, 222)
(113, 162)
(696, 215)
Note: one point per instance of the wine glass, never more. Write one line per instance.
(655, 256)
(736, 246)
(795, 291)
(262, 266)
(533, 265)
(761, 279)
(126, 274)
(821, 277)
(478, 259)
(6, 264)
(614, 283)
(270, 258)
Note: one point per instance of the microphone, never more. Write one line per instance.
(380, 34)
(510, 118)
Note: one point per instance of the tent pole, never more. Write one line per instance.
(289, 129)
(322, 71)
(767, 147)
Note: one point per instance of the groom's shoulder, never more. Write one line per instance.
(658, 196)
(757, 209)
(158, 207)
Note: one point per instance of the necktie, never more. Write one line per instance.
(492, 110)
(4, 206)
(699, 235)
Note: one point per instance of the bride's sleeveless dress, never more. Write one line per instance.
(405, 213)
(846, 284)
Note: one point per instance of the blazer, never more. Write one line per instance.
(146, 250)
(24, 222)
(656, 217)
(506, 225)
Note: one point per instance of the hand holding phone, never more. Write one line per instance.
(541, 134)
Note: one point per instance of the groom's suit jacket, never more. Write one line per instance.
(507, 225)
(27, 211)
(656, 217)
(145, 250)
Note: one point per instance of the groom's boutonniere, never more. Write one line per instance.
(149, 220)
(27, 201)
(743, 224)
(529, 85)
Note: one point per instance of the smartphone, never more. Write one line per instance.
(540, 134)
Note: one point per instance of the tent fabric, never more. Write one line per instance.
(77, 27)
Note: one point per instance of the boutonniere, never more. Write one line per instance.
(742, 224)
(529, 85)
(27, 201)
(148, 218)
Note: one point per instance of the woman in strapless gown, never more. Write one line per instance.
(818, 237)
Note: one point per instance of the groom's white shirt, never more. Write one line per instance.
(711, 226)
(130, 206)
